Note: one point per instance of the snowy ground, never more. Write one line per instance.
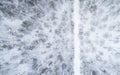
(100, 37)
(36, 37)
